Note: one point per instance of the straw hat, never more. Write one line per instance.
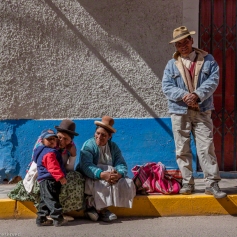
(181, 33)
(106, 122)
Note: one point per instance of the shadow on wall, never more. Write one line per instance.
(79, 35)
(130, 28)
(143, 24)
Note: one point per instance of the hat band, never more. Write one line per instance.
(177, 36)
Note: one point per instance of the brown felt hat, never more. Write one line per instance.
(106, 122)
(67, 126)
(181, 33)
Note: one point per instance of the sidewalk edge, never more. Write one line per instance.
(143, 206)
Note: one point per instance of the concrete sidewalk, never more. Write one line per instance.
(145, 205)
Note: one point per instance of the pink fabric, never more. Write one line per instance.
(152, 178)
(175, 173)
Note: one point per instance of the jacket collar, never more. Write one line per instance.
(200, 52)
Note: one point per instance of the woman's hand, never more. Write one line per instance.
(115, 177)
(105, 175)
(112, 177)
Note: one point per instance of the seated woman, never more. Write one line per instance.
(72, 194)
(102, 163)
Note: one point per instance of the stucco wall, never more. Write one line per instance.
(82, 59)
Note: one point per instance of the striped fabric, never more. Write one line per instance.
(151, 178)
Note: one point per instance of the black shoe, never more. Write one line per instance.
(107, 216)
(92, 214)
(215, 191)
(58, 223)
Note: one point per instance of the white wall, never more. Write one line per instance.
(84, 59)
(191, 17)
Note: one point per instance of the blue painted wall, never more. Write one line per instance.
(141, 141)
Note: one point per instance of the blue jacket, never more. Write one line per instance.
(206, 79)
(49, 163)
(89, 157)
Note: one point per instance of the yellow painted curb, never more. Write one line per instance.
(25, 210)
(11, 209)
(143, 206)
(7, 208)
(179, 205)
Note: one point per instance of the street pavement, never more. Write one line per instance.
(5, 189)
(192, 226)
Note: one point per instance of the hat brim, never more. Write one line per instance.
(111, 129)
(182, 37)
(50, 135)
(66, 131)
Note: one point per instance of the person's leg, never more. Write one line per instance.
(51, 199)
(90, 211)
(181, 126)
(43, 210)
(98, 198)
(203, 134)
(94, 214)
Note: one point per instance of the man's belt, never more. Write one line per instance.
(193, 108)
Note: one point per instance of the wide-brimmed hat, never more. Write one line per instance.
(67, 126)
(106, 122)
(181, 33)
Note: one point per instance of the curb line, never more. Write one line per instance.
(143, 206)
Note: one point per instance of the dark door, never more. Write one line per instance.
(217, 35)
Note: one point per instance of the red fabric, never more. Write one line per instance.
(50, 162)
(174, 173)
(191, 69)
(151, 178)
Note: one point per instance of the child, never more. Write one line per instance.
(51, 175)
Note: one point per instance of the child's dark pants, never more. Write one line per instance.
(49, 201)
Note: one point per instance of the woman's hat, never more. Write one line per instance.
(67, 126)
(181, 33)
(106, 122)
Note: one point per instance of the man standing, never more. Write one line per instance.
(189, 81)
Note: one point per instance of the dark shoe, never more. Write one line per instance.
(215, 191)
(107, 216)
(58, 223)
(92, 214)
(187, 189)
(44, 222)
